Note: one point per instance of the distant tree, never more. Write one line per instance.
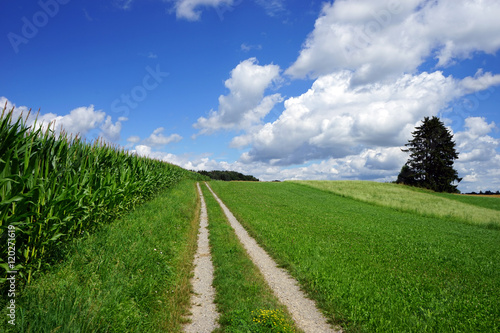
(432, 152)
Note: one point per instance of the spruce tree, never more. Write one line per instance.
(432, 152)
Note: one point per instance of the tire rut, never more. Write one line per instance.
(204, 313)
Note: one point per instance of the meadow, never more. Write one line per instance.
(416, 200)
(371, 267)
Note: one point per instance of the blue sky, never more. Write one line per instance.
(277, 89)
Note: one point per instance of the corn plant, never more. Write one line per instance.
(55, 187)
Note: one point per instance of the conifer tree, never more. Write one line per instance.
(432, 152)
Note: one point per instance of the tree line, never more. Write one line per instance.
(227, 175)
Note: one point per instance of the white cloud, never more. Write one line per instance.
(246, 47)
(474, 143)
(80, 121)
(479, 159)
(381, 164)
(110, 131)
(157, 138)
(334, 120)
(480, 81)
(245, 105)
(133, 139)
(378, 164)
(189, 9)
(379, 40)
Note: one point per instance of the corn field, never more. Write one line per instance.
(54, 188)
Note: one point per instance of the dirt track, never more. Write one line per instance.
(303, 310)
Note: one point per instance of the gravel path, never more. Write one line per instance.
(204, 313)
(303, 310)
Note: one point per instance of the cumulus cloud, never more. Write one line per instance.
(474, 143)
(80, 121)
(245, 105)
(134, 139)
(478, 159)
(334, 120)
(377, 163)
(157, 138)
(481, 81)
(379, 40)
(149, 146)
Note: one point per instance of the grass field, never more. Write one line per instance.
(479, 211)
(373, 268)
(244, 300)
(131, 276)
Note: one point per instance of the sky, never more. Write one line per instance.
(279, 89)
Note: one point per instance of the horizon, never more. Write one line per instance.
(281, 90)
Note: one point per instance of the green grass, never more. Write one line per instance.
(130, 276)
(373, 268)
(243, 298)
(474, 210)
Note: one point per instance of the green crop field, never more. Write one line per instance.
(54, 188)
(374, 267)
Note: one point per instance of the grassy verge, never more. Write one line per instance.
(371, 268)
(243, 298)
(479, 212)
(131, 276)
